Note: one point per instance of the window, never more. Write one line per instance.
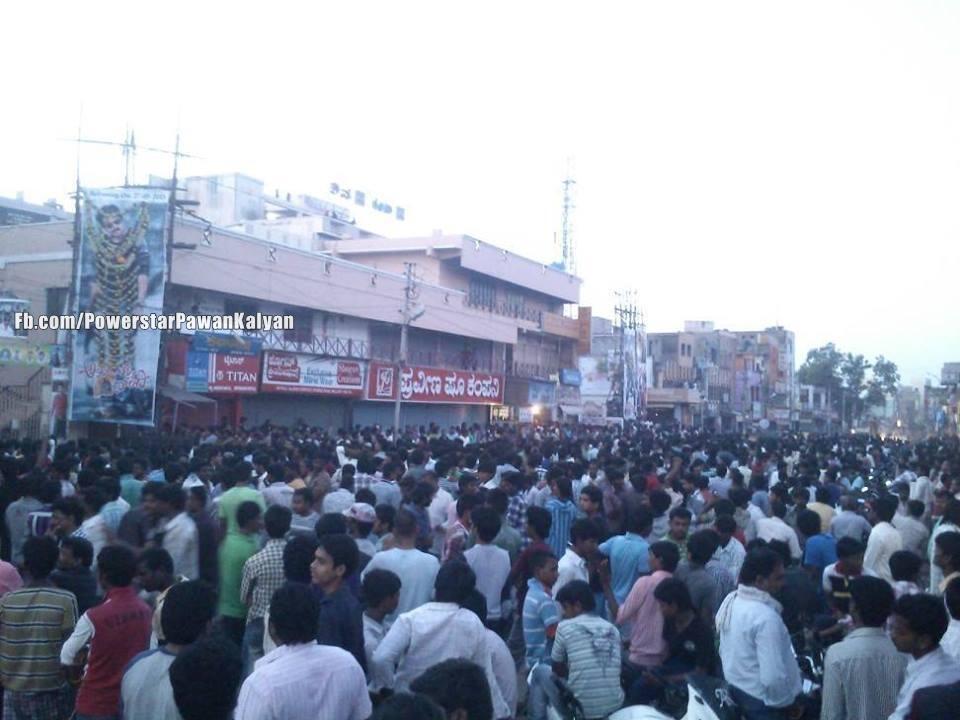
(754, 394)
(302, 331)
(57, 301)
(231, 307)
(482, 293)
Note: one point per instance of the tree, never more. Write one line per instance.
(822, 367)
(854, 373)
(884, 383)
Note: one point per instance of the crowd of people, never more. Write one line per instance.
(478, 573)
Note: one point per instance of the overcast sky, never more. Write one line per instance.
(747, 163)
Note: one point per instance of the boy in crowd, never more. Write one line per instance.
(490, 564)
(679, 527)
(73, 572)
(381, 596)
(304, 518)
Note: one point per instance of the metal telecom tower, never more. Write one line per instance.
(566, 228)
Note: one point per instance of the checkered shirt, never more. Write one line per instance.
(262, 575)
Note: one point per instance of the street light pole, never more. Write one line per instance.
(404, 330)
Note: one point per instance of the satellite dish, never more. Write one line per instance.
(764, 424)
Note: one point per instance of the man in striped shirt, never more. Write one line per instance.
(34, 622)
(862, 674)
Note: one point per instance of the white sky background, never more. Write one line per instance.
(746, 163)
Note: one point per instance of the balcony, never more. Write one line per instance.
(554, 324)
(390, 352)
(313, 344)
(506, 310)
(534, 371)
(673, 396)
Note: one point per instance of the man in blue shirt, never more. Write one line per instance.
(820, 550)
(563, 511)
(540, 618)
(629, 553)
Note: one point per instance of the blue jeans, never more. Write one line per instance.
(252, 648)
(753, 709)
(543, 691)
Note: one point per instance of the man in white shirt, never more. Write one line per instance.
(884, 539)
(912, 530)
(584, 538)
(179, 532)
(755, 648)
(275, 490)
(919, 622)
(775, 528)
(301, 679)
(438, 631)
(416, 569)
(489, 563)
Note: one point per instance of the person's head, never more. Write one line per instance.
(276, 520)
(725, 526)
(561, 487)
(584, 536)
(591, 500)
(883, 508)
(916, 509)
(850, 555)
(808, 522)
(386, 514)
(249, 517)
(702, 545)
(302, 502)
(511, 483)
(293, 615)
(458, 686)
(543, 565)
(680, 523)
(673, 597)
(455, 580)
(576, 598)
(75, 552)
(823, 495)
(487, 523)
(919, 621)
(155, 569)
(763, 569)
(298, 556)
(639, 520)
(116, 566)
(404, 706)
(498, 501)
(66, 517)
(946, 552)
(779, 509)
(476, 603)
(951, 598)
(664, 556)
(871, 601)
(335, 559)
(539, 522)
(40, 557)
(381, 590)
(468, 484)
(196, 499)
(187, 611)
(465, 506)
(170, 500)
(149, 496)
(205, 677)
(905, 566)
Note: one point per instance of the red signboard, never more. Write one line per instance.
(311, 375)
(234, 373)
(434, 385)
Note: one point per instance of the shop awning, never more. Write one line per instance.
(182, 397)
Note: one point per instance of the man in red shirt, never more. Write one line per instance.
(116, 630)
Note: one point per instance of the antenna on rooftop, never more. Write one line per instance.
(566, 227)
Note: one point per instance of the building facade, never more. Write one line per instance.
(489, 338)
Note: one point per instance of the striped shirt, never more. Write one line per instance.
(861, 676)
(590, 647)
(562, 514)
(34, 622)
(539, 613)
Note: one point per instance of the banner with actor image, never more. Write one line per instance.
(121, 271)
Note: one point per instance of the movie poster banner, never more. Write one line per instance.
(121, 271)
(434, 385)
(311, 375)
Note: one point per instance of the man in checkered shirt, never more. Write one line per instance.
(262, 575)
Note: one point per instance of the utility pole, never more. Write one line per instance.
(408, 291)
